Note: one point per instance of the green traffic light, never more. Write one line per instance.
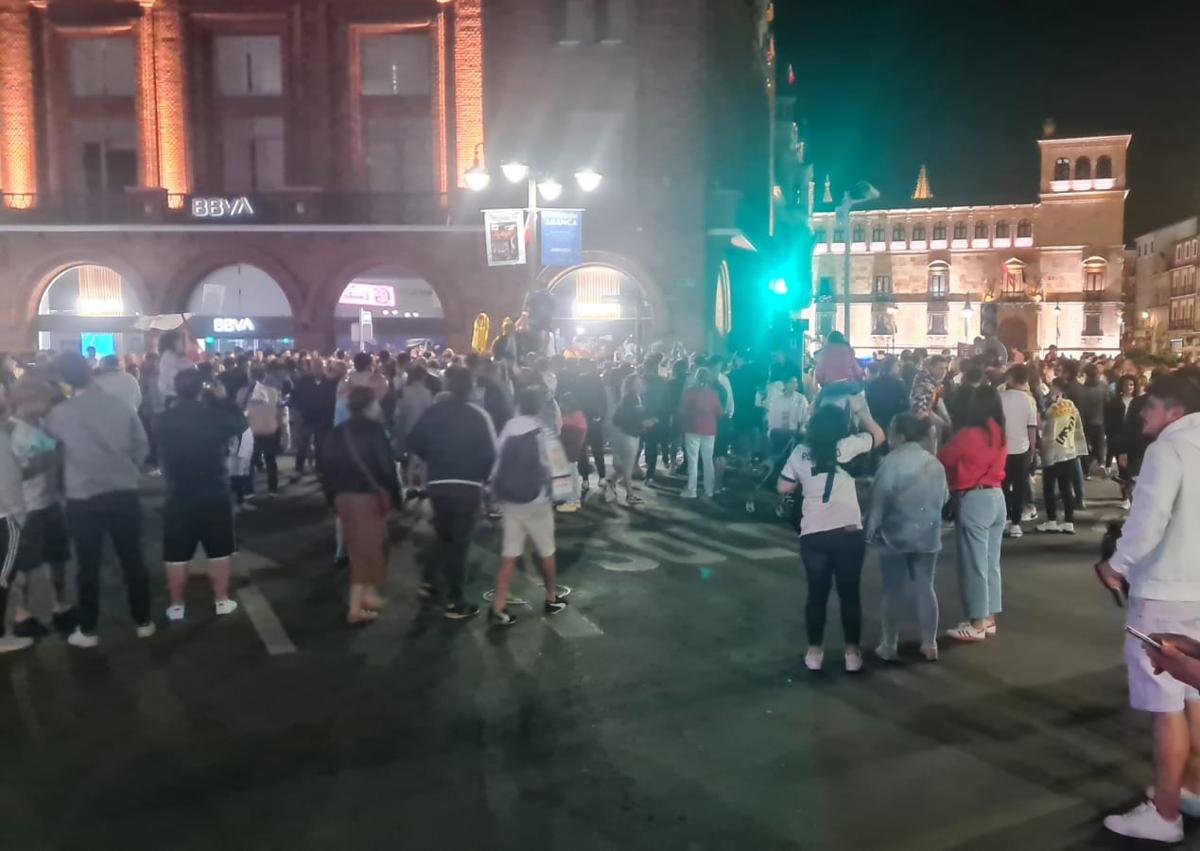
(778, 286)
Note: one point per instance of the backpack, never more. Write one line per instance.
(521, 475)
(263, 417)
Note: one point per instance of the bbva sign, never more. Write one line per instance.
(229, 325)
(221, 208)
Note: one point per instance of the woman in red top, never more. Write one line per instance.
(698, 413)
(974, 460)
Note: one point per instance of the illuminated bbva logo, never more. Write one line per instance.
(221, 208)
(229, 325)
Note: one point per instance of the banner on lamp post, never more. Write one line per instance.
(504, 237)
(562, 237)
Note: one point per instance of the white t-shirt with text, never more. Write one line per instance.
(826, 507)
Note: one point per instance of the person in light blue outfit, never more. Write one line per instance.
(904, 518)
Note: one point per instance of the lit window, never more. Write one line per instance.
(939, 280)
(394, 64)
(960, 230)
(103, 67)
(898, 233)
(1093, 279)
(981, 230)
(248, 65)
(1062, 169)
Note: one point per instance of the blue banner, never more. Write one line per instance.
(562, 237)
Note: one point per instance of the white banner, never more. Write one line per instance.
(504, 237)
(368, 295)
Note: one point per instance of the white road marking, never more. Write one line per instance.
(265, 621)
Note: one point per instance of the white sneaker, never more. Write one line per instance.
(9, 643)
(688, 495)
(1144, 822)
(1029, 515)
(965, 632)
(930, 652)
(1049, 526)
(225, 607)
(814, 658)
(854, 660)
(175, 613)
(887, 654)
(1014, 530)
(1125, 505)
(146, 630)
(1189, 802)
(1067, 528)
(79, 638)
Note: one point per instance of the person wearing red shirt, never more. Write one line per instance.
(974, 460)
(698, 413)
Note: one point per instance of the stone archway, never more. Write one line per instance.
(657, 321)
(37, 284)
(1013, 332)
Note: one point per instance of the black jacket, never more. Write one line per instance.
(456, 441)
(341, 473)
(193, 441)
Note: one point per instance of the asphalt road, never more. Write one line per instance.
(667, 709)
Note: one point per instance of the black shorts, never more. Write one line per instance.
(191, 521)
(44, 539)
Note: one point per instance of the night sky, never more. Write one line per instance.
(964, 87)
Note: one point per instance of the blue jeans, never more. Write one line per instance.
(899, 570)
(979, 530)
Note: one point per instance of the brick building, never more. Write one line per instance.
(249, 160)
(935, 273)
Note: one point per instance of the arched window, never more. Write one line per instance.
(960, 230)
(918, 232)
(1083, 169)
(857, 234)
(877, 233)
(1062, 169)
(1094, 272)
(1104, 168)
(939, 230)
(1002, 230)
(897, 233)
(1024, 228)
(939, 279)
(981, 230)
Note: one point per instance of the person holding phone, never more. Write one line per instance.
(1155, 555)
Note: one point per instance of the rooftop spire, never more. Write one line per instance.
(922, 192)
(827, 198)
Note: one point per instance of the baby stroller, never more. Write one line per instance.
(781, 445)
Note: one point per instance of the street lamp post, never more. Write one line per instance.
(860, 194)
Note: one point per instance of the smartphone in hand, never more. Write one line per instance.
(1145, 639)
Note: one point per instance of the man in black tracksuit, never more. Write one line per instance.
(588, 388)
(457, 442)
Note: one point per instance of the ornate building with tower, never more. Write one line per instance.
(1035, 272)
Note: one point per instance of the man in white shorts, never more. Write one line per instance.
(521, 484)
(1156, 557)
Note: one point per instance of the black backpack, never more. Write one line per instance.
(521, 476)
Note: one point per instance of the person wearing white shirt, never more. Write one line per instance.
(115, 381)
(1156, 558)
(787, 412)
(1020, 432)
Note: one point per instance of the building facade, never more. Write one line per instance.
(1164, 313)
(1038, 273)
(276, 167)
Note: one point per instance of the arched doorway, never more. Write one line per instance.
(89, 306)
(598, 301)
(1013, 332)
(403, 310)
(240, 306)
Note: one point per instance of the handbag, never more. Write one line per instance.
(383, 500)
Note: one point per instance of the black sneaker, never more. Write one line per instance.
(460, 611)
(30, 628)
(553, 607)
(65, 622)
(496, 618)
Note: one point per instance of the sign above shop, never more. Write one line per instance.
(222, 208)
(368, 295)
(230, 325)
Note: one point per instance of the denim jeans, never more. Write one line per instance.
(699, 447)
(899, 571)
(979, 530)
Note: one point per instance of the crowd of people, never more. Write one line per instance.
(892, 455)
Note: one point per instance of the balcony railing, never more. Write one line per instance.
(298, 206)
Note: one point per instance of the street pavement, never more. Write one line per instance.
(668, 708)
